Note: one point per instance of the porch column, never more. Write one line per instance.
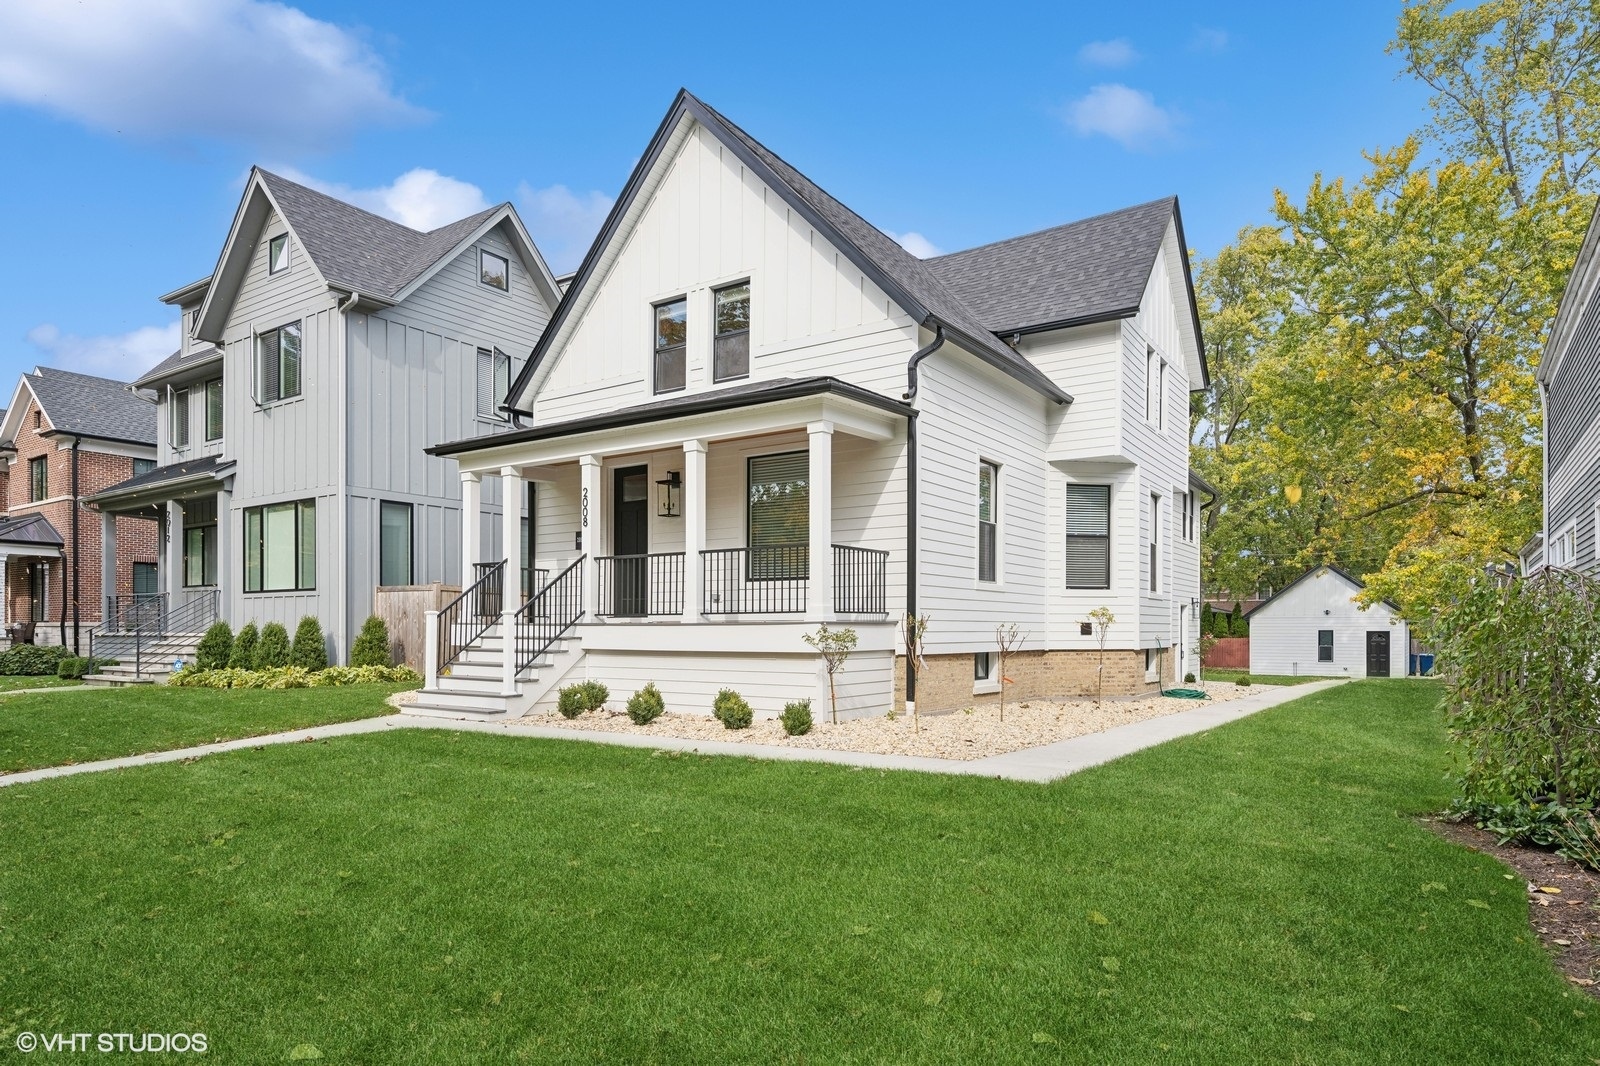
(589, 527)
(225, 573)
(471, 516)
(108, 562)
(819, 597)
(694, 527)
(174, 554)
(511, 585)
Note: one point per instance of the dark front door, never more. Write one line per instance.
(1377, 654)
(630, 541)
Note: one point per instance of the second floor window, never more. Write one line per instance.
(143, 466)
(38, 478)
(278, 364)
(672, 335)
(494, 381)
(988, 510)
(730, 349)
(178, 426)
(1088, 536)
(214, 409)
(1155, 543)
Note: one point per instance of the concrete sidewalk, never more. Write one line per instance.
(1042, 764)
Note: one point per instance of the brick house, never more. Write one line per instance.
(65, 437)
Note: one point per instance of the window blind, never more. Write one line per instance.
(1088, 548)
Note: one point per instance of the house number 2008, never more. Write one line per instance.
(585, 509)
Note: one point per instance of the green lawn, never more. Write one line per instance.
(1256, 894)
(10, 683)
(56, 728)
(1262, 679)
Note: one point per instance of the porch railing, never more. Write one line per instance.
(764, 580)
(142, 610)
(548, 614)
(860, 580)
(467, 617)
(143, 618)
(638, 586)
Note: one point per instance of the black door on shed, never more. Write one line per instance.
(1377, 653)
(630, 541)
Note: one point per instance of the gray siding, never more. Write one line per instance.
(1574, 402)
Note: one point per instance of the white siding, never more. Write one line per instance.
(1283, 632)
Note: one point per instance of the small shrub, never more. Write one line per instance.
(32, 660)
(646, 705)
(594, 695)
(273, 650)
(243, 656)
(1188, 679)
(731, 710)
(1243, 681)
(796, 718)
(310, 651)
(71, 667)
(372, 646)
(215, 648)
(572, 700)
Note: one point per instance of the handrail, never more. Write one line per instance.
(549, 614)
(860, 580)
(771, 579)
(470, 615)
(640, 586)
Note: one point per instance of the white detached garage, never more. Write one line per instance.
(1315, 627)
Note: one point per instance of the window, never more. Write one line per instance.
(779, 516)
(214, 409)
(1563, 549)
(178, 417)
(730, 350)
(143, 466)
(1088, 536)
(1155, 543)
(672, 332)
(200, 543)
(394, 543)
(988, 482)
(1152, 663)
(278, 254)
(1186, 512)
(280, 547)
(38, 591)
(1161, 396)
(145, 579)
(494, 270)
(982, 665)
(1149, 384)
(278, 364)
(1324, 645)
(494, 382)
(36, 419)
(38, 478)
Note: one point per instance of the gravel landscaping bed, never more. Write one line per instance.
(973, 733)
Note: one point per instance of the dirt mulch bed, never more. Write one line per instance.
(1567, 921)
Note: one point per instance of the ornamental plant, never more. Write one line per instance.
(646, 705)
(273, 650)
(835, 646)
(309, 651)
(243, 656)
(372, 646)
(215, 648)
(731, 710)
(796, 718)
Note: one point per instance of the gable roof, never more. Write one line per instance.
(1347, 575)
(354, 250)
(82, 405)
(907, 280)
(178, 363)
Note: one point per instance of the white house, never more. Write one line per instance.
(1314, 627)
(754, 412)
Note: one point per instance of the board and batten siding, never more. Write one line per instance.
(1283, 631)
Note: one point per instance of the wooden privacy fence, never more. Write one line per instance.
(404, 610)
(1229, 653)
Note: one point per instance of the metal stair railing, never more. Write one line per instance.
(470, 615)
(549, 614)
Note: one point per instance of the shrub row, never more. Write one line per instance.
(294, 677)
(32, 660)
(74, 668)
(270, 648)
(646, 705)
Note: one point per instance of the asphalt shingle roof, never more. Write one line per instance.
(1093, 268)
(102, 408)
(176, 363)
(358, 250)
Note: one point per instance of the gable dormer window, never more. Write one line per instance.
(278, 254)
(730, 355)
(672, 335)
(494, 270)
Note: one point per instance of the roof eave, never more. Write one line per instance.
(1022, 371)
(90, 435)
(178, 371)
(186, 294)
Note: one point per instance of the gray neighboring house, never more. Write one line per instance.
(327, 349)
(1569, 384)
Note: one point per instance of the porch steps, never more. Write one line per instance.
(472, 686)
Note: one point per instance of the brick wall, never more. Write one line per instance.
(946, 683)
(137, 538)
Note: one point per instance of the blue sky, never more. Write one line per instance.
(128, 125)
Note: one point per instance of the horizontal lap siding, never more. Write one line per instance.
(1283, 633)
(690, 681)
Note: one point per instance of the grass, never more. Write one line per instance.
(1256, 894)
(1213, 674)
(54, 729)
(12, 682)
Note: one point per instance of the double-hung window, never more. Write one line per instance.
(779, 516)
(494, 382)
(178, 413)
(278, 364)
(730, 348)
(38, 479)
(394, 543)
(200, 543)
(988, 517)
(1186, 511)
(214, 409)
(1324, 645)
(1155, 543)
(1088, 550)
(1564, 548)
(280, 547)
(671, 345)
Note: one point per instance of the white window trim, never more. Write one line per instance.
(999, 581)
(1154, 585)
(1566, 558)
(288, 255)
(1152, 665)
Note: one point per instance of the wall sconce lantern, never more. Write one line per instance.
(669, 494)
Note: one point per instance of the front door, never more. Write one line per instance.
(630, 542)
(1377, 654)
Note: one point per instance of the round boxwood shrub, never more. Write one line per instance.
(273, 650)
(572, 700)
(595, 695)
(796, 718)
(372, 646)
(731, 710)
(309, 652)
(215, 647)
(243, 656)
(1188, 679)
(646, 705)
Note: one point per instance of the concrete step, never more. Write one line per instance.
(120, 680)
(449, 704)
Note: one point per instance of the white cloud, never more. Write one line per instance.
(123, 355)
(562, 223)
(253, 71)
(916, 244)
(420, 198)
(1118, 52)
(1131, 117)
(1208, 40)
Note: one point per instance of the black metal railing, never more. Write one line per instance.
(467, 617)
(860, 580)
(142, 610)
(638, 586)
(534, 578)
(145, 618)
(765, 580)
(548, 614)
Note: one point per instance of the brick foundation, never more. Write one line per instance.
(946, 683)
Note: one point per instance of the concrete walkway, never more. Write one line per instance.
(1041, 764)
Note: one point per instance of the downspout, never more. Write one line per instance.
(912, 382)
(76, 567)
(343, 509)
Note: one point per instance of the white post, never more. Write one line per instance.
(471, 516)
(225, 573)
(694, 527)
(430, 651)
(589, 525)
(511, 586)
(819, 597)
(108, 561)
(175, 574)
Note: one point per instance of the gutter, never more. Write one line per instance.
(345, 306)
(73, 561)
(912, 383)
